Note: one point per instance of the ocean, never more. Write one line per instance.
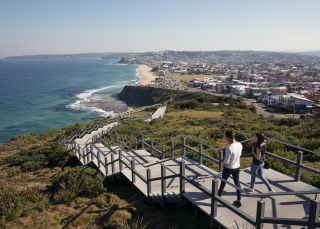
(38, 95)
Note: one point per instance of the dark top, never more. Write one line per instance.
(263, 148)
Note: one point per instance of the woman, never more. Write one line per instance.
(259, 151)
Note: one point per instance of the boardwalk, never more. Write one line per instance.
(178, 178)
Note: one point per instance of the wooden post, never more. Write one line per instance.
(214, 205)
(172, 148)
(220, 160)
(163, 150)
(313, 213)
(133, 168)
(184, 142)
(112, 163)
(120, 160)
(148, 182)
(200, 153)
(260, 214)
(152, 146)
(298, 166)
(106, 165)
(182, 174)
(163, 184)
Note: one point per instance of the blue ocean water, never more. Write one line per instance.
(37, 95)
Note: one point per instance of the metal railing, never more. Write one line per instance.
(160, 150)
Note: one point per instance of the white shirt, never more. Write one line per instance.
(232, 157)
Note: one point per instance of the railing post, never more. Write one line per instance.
(260, 214)
(88, 155)
(133, 168)
(84, 157)
(313, 213)
(182, 174)
(91, 149)
(200, 153)
(184, 142)
(163, 151)
(106, 165)
(136, 143)
(172, 148)
(220, 160)
(142, 142)
(112, 163)
(148, 182)
(98, 156)
(163, 184)
(298, 165)
(79, 152)
(214, 205)
(120, 160)
(152, 146)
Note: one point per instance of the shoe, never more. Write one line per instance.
(237, 203)
(271, 190)
(249, 189)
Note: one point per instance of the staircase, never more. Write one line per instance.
(177, 172)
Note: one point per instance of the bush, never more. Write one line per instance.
(78, 181)
(53, 155)
(11, 203)
(188, 104)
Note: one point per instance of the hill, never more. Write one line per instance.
(43, 185)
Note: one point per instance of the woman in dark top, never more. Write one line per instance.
(259, 151)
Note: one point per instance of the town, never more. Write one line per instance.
(281, 82)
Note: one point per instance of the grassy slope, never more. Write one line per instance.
(192, 115)
(186, 78)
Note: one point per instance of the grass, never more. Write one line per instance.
(121, 206)
(186, 78)
(193, 114)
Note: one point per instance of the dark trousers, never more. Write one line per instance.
(235, 175)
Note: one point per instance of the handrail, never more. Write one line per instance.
(220, 200)
(290, 193)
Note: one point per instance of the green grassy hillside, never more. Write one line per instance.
(42, 185)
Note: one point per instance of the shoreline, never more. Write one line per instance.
(144, 72)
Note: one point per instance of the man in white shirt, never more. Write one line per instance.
(232, 165)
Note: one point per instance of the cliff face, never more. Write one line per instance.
(143, 96)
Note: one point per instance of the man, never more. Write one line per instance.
(232, 165)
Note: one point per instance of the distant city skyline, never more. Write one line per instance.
(79, 26)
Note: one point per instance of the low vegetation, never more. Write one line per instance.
(42, 185)
(186, 77)
(78, 181)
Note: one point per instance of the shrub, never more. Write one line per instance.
(11, 203)
(78, 181)
(53, 155)
(188, 104)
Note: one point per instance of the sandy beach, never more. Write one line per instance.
(147, 76)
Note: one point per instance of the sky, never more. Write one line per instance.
(81, 26)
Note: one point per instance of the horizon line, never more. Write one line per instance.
(124, 52)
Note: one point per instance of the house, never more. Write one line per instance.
(293, 99)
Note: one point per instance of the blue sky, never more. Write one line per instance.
(75, 26)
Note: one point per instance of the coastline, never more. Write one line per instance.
(144, 71)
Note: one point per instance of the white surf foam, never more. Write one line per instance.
(85, 97)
